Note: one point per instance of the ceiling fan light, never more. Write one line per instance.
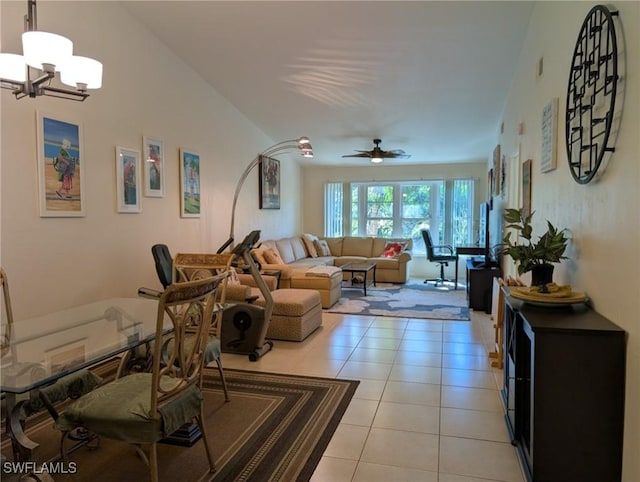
(376, 160)
(12, 67)
(82, 71)
(42, 48)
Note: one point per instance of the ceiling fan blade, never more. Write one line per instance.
(363, 154)
(376, 152)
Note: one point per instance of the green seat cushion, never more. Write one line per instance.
(70, 386)
(121, 410)
(212, 350)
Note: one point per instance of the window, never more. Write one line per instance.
(401, 209)
(333, 199)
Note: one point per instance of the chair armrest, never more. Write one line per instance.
(447, 247)
(405, 256)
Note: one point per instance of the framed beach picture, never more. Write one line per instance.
(128, 180)
(269, 183)
(189, 184)
(61, 167)
(153, 152)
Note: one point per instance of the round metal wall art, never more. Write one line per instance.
(591, 94)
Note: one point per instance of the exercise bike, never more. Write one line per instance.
(245, 325)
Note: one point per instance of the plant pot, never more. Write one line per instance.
(542, 274)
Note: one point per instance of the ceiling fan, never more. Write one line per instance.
(377, 155)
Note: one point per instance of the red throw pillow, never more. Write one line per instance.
(392, 250)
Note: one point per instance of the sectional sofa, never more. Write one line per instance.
(294, 256)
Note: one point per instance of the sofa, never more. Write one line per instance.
(294, 256)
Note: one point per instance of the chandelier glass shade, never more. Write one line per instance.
(44, 54)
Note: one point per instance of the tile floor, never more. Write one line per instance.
(427, 407)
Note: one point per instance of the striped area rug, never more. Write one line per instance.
(275, 428)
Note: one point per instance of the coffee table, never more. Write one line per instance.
(364, 269)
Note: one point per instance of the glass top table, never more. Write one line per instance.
(39, 351)
(60, 343)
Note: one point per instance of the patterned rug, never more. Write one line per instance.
(412, 300)
(275, 428)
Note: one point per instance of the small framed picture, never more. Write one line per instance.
(189, 184)
(549, 136)
(61, 167)
(128, 180)
(269, 183)
(153, 152)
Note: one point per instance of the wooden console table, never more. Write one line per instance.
(564, 377)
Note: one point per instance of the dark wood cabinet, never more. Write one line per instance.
(564, 372)
(480, 284)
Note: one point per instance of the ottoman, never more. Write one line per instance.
(296, 314)
(329, 285)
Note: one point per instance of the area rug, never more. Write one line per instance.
(413, 300)
(275, 428)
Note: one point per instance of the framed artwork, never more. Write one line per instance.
(549, 136)
(497, 170)
(526, 187)
(61, 167)
(128, 180)
(189, 184)
(269, 183)
(153, 152)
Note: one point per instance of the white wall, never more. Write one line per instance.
(602, 217)
(53, 263)
(315, 177)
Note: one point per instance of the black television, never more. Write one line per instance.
(490, 229)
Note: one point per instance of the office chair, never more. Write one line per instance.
(164, 263)
(441, 254)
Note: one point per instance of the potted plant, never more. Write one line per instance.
(537, 257)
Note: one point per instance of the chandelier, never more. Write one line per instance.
(44, 54)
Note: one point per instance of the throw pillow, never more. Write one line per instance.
(308, 240)
(392, 249)
(322, 247)
(258, 255)
(272, 256)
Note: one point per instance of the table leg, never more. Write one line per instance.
(23, 447)
(456, 285)
(364, 282)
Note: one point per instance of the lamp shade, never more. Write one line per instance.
(12, 67)
(376, 160)
(82, 70)
(46, 48)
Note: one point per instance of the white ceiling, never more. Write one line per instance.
(430, 78)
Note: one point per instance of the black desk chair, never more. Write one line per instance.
(442, 254)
